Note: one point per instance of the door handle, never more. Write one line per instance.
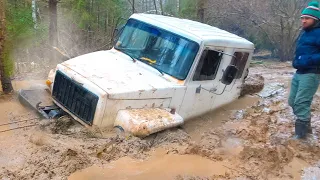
(212, 90)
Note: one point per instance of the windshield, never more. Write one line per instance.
(165, 51)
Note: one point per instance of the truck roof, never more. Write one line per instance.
(196, 31)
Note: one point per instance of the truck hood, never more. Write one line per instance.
(120, 77)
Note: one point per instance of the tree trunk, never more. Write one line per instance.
(34, 14)
(161, 7)
(133, 7)
(145, 5)
(53, 28)
(53, 31)
(5, 79)
(200, 10)
(98, 16)
(155, 6)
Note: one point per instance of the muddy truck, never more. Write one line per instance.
(161, 72)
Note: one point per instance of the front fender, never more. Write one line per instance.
(143, 122)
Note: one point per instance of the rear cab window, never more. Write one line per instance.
(240, 60)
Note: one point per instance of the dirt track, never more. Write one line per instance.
(248, 139)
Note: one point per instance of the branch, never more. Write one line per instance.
(132, 5)
(61, 52)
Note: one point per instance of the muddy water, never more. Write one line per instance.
(230, 145)
(12, 147)
(197, 126)
(17, 85)
(11, 109)
(160, 166)
(163, 166)
(27, 84)
(295, 168)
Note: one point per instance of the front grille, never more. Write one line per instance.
(74, 97)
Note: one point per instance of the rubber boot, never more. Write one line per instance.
(301, 129)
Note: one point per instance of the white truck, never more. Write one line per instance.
(161, 72)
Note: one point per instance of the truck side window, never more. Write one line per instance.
(240, 60)
(208, 65)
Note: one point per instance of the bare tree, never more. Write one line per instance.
(34, 13)
(53, 28)
(5, 79)
(272, 22)
(178, 6)
(155, 6)
(216, 12)
(132, 3)
(161, 7)
(200, 10)
(278, 20)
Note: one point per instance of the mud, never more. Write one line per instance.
(253, 84)
(248, 139)
(26, 84)
(159, 166)
(197, 126)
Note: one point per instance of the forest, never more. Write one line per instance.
(38, 34)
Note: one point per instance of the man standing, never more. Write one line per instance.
(305, 81)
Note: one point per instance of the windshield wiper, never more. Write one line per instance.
(134, 60)
(149, 60)
(150, 63)
(119, 49)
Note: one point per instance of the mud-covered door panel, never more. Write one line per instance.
(200, 91)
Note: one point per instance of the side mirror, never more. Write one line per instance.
(229, 75)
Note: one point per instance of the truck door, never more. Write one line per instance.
(199, 96)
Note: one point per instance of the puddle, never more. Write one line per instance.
(11, 110)
(12, 147)
(295, 168)
(196, 126)
(160, 166)
(12, 151)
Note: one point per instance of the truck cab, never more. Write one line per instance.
(161, 72)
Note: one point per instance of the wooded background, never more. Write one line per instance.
(42, 33)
